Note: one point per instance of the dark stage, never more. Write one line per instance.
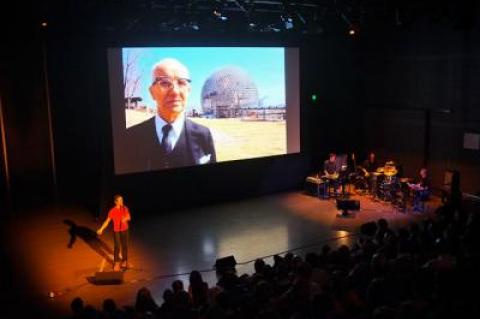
(165, 245)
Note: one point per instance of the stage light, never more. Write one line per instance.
(219, 15)
(44, 24)
(194, 26)
(288, 21)
(353, 30)
(314, 98)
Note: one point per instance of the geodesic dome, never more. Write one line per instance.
(227, 91)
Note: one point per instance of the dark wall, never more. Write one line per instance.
(22, 92)
(407, 71)
(79, 90)
(333, 122)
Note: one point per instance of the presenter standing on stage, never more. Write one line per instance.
(120, 215)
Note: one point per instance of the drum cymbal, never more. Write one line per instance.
(391, 173)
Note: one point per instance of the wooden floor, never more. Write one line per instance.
(166, 245)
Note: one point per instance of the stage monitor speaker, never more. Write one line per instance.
(225, 263)
(348, 204)
(108, 278)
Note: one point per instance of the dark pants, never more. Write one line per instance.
(330, 183)
(120, 239)
(419, 199)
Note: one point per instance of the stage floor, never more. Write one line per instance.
(165, 245)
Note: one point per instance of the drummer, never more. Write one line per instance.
(370, 165)
(390, 171)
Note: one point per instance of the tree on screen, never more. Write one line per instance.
(131, 79)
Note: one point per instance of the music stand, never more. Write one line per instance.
(342, 162)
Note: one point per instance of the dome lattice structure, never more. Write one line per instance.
(229, 91)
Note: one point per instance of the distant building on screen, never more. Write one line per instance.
(229, 92)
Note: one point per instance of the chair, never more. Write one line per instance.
(451, 185)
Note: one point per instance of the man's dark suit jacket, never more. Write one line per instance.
(194, 146)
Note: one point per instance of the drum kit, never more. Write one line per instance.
(384, 184)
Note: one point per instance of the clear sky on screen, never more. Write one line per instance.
(266, 66)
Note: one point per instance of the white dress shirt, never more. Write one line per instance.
(174, 134)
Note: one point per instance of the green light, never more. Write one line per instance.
(314, 97)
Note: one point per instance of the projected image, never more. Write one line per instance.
(192, 106)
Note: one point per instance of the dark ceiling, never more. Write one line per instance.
(303, 16)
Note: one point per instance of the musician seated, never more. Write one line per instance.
(421, 191)
(370, 165)
(331, 170)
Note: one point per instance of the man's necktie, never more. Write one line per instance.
(166, 140)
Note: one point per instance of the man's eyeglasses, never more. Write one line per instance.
(167, 83)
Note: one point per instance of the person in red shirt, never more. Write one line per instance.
(120, 215)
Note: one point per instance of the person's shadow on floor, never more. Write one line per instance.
(90, 237)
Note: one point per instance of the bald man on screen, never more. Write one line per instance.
(169, 139)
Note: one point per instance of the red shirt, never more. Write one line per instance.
(116, 215)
